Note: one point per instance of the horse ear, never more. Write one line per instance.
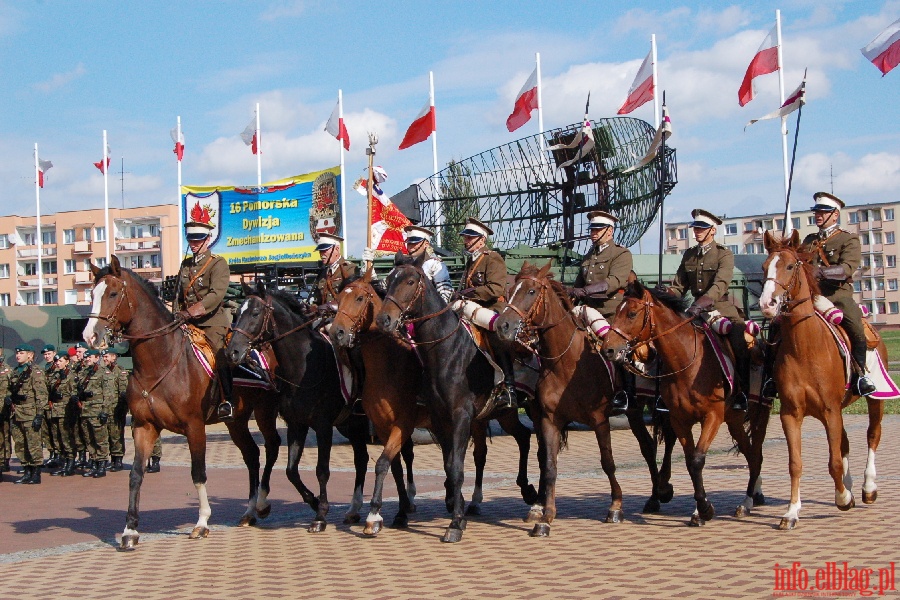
(367, 276)
(420, 260)
(637, 288)
(95, 270)
(795, 239)
(246, 288)
(768, 241)
(114, 267)
(545, 269)
(260, 288)
(399, 259)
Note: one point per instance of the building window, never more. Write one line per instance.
(888, 237)
(68, 236)
(867, 285)
(889, 214)
(811, 220)
(154, 260)
(4, 242)
(48, 237)
(100, 234)
(682, 233)
(69, 267)
(71, 296)
(672, 234)
(731, 229)
(854, 218)
(31, 298)
(881, 308)
(750, 248)
(878, 260)
(154, 230)
(795, 222)
(866, 262)
(29, 239)
(876, 237)
(864, 239)
(857, 286)
(748, 226)
(101, 262)
(137, 231)
(894, 307)
(779, 224)
(892, 285)
(87, 234)
(879, 285)
(51, 297)
(48, 267)
(4, 299)
(892, 261)
(4, 271)
(31, 268)
(734, 248)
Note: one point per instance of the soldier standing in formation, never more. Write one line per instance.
(49, 437)
(601, 283)
(79, 428)
(5, 410)
(334, 269)
(155, 456)
(95, 398)
(64, 398)
(117, 380)
(27, 396)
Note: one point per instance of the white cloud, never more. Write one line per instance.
(60, 80)
(871, 175)
(284, 9)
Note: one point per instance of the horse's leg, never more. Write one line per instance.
(409, 454)
(792, 425)
(239, 431)
(604, 441)
(196, 438)
(635, 414)
(686, 437)
(144, 437)
(358, 429)
(454, 468)
(837, 464)
(479, 454)
(324, 435)
(511, 424)
(536, 512)
(550, 436)
(388, 460)
(666, 491)
(873, 438)
(296, 438)
(708, 430)
(266, 421)
(739, 434)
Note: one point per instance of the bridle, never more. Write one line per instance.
(404, 319)
(268, 327)
(527, 332)
(356, 323)
(789, 304)
(115, 329)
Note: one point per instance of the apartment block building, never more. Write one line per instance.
(144, 239)
(876, 280)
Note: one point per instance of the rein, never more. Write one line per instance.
(789, 303)
(404, 319)
(526, 323)
(269, 326)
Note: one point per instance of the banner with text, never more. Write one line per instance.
(277, 223)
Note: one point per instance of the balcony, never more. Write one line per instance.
(136, 246)
(150, 273)
(82, 247)
(31, 281)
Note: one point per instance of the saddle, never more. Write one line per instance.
(202, 344)
(873, 338)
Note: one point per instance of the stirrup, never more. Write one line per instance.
(660, 405)
(619, 402)
(864, 386)
(769, 391)
(225, 411)
(739, 402)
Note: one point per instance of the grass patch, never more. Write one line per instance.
(892, 341)
(860, 407)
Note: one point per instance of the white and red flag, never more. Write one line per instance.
(387, 220)
(526, 101)
(764, 62)
(43, 167)
(178, 138)
(422, 127)
(335, 126)
(249, 135)
(99, 164)
(884, 50)
(642, 89)
(795, 100)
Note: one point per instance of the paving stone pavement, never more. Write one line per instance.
(58, 543)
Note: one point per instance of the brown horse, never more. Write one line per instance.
(389, 396)
(809, 375)
(573, 386)
(692, 384)
(169, 389)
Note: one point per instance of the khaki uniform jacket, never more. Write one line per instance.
(708, 274)
(330, 279)
(61, 387)
(840, 248)
(205, 281)
(4, 392)
(97, 396)
(116, 380)
(486, 273)
(28, 388)
(612, 264)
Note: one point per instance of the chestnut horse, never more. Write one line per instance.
(392, 383)
(809, 375)
(573, 386)
(169, 389)
(692, 384)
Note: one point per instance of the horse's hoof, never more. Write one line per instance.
(452, 535)
(788, 523)
(666, 495)
(847, 507)
(615, 516)
(540, 530)
(199, 532)
(400, 522)
(247, 521)
(651, 506)
(533, 516)
(759, 499)
(473, 510)
(708, 513)
(695, 521)
(372, 528)
(128, 543)
(741, 511)
(317, 527)
(529, 495)
(262, 513)
(352, 519)
(869, 498)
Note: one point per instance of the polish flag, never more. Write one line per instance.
(43, 166)
(249, 136)
(795, 100)
(526, 101)
(642, 89)
(765, 62)
(884, 50)
(420, 130)
(335, 126)
(99, 164)
(178, 138)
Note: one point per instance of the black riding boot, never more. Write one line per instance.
(627, 393)
(154, 465)
(741, 367)
(35, 476)
(225, 410)
(26, 475)
(860, 384)
(504, 396)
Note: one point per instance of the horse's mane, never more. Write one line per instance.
(530, 270)
(377, 284)
(148, 287)
(668, 299)
(804, 254)
(289, 300)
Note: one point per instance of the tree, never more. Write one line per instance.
(457, 202)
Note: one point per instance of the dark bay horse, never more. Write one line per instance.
(692, 384)
(169, 389)
(309, 390)
(389, 397)
(809, 375)
(459, 379)
(574, 386)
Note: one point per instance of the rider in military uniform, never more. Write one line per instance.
(117, 380)
(27, 394)
(601, 285)
(202, 283)
(418, 242)
(334, 269)
(63, 393)
(5, 410)
(484, 282)
(48, 436)
(95, 398)
(706, 271)
(836, 256)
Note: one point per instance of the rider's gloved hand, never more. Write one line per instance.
(368, 255)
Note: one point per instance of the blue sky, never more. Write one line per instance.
(73, 69)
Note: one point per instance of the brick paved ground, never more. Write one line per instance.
(57, 538)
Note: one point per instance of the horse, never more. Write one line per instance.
(169, 389)
(459, 378)
(572, 387)
(809, 375)
(692, 384)
(309, 390)
(389, 397)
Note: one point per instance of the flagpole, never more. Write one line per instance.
(180, 209)
(438, 212)
(258, 152)
(655, 81)
(344, 233)
(537, 61)
(106, 196)
(37, 195)
(370, 151)
(784, 131)
(787, 203)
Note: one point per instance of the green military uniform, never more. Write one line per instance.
(96, 398)
(74, 421)
(116, 379)
(48, 436)
(203, 281)
(484, 278)
(5, 414)
(28, 395)
(610, 263)
(62, 389)
(330, 279)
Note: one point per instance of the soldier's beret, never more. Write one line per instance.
(48, 348)
(92, 352)
(59, 356)
(80, 345)
(72, 351)
(108, 351)
(24, 348)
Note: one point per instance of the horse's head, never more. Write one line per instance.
(357, 306)
(112, 309)
(255, 325)
(406, 285)
(783, 270)
(631, 328)
(528, 302)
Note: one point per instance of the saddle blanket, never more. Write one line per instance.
(525, 371)
(885, 388)
(244, 376)
(345, 373)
